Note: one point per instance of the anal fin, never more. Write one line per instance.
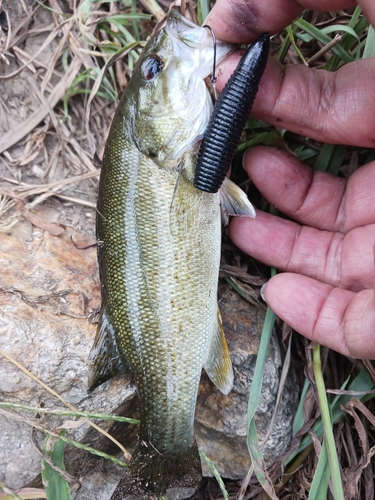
(218, 365)
(105, 357)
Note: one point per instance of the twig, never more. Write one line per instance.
(325, 49)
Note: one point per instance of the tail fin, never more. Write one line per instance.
(152, 473)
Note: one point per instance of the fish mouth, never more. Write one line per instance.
(189, 35)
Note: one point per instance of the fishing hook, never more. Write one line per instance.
(213, 77)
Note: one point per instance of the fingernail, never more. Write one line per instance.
(244, 158)
(262, 292)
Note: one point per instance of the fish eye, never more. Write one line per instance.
(151, 67)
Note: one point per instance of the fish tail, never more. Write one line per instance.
(152, 473)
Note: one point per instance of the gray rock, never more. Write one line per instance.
(48, 291)
(221, 421)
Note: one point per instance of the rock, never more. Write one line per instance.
(49, 291)
(221, 421)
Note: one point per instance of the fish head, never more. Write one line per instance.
(170, 104)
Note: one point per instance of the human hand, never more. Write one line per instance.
(327, 293)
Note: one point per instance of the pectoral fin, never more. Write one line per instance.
(218, 365)
(106, 361)
(182, 214)
(234, 201)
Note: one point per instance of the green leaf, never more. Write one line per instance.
(361, 383)
(56, 486)
(340, 27)
(330, 158)
(338, 491)
(283, 49)
(203, 10)
(324, 39)
(290, 31)
(370, 44)
(216, 474)
(255, 452)
(320, 482)
(299, 419)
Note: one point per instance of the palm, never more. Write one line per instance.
(327, 293)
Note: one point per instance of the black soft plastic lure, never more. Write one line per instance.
(229, 117)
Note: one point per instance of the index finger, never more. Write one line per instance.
(241, 21)
(334, 107)
(311, 197)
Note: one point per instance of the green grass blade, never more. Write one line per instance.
(337, 158)
(359, 24)
(135, 23)
(340, 27)
(304, 153)
(361, 383)
(320, 482)
(69, 413)
(324, 157)
(215, 474)
(338, 492)
(272, 139)
(203, 10)
(323, 39)
(56, 486)
(256, 384)
(255, 452)
(299, 419)
(124, 19)
(283, 49)
(290, 32)
(369, 50)
(330, 158)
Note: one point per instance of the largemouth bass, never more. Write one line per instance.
(159, 253)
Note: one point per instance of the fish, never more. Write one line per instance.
(158, 242)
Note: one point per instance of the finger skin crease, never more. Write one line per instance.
(305, 193)
(288, 265)
(358, 325)
(341, 211)
(332, 272)
(326, 93)
(273, 108)
(322, 326)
